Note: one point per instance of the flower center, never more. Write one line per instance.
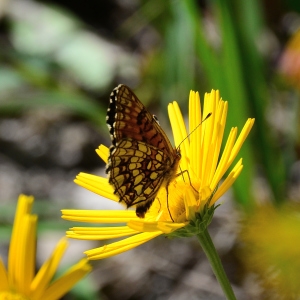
(174, 205)
(8, 295)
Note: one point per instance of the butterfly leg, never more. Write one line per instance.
(159, 205)
(168, 204)
(186, 171)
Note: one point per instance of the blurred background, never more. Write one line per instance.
(59, 61)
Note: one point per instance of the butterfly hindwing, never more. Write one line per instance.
(136, 171)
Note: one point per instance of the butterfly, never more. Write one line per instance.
(141, 157)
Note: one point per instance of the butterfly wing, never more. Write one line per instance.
(141, 158)
(136, 170)
(128, 118)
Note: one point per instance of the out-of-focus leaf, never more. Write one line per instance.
(10, 80)
(70, 101)
(249, 28)
(179, 57)
(91, 60)
(54, 35)
(39, 29)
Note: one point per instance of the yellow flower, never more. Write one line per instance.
(271, 249)
(19, 281)
(191, 196)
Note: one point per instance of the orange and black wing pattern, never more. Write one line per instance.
(141, 157)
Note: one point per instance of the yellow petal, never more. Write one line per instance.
(223, 164)
(103, 152)
(190, 204)
(241, 139)
(17, 250)
(228, 182)
(217, 138)
(47, 271)
(3, 277)
(98, 216)
(27, 254)
(100, 233)
(96, 184)
(144, 226)
(62, 285)
(196, 136)
(121, 246)
(179, 132)
(208, 127)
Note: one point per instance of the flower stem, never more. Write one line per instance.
(215, 262)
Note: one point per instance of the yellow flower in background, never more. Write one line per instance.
(19, 281)
(271, 249)
(191, 196)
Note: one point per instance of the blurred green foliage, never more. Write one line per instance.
(51, 59)
(54, 60)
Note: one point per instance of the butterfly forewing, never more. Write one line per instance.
(141, 158)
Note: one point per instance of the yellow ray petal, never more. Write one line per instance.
(241, 139)
(228, 182)
(96, 184)
(48, 269)
(144, 226)
(27, 255)
(98, 216)
(121, 246)
(103, 152)
(195, 137)
(62, 285)
(4, 278)
(217, 139)
(15, 262)
(222, 166)
(103, 233)
(179, 132)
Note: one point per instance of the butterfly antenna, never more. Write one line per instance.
(208, 115)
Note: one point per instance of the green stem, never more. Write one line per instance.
(215, 262)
